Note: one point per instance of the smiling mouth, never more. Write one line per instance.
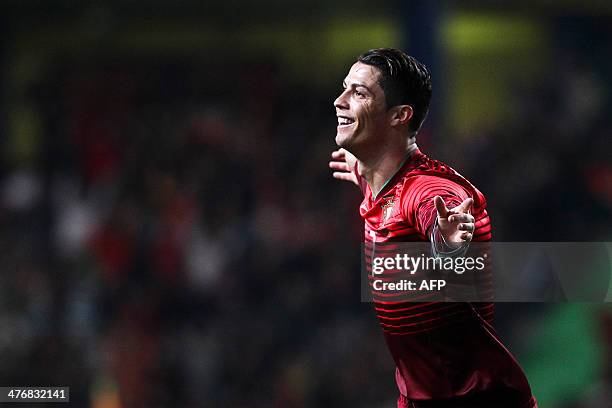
(344, 121)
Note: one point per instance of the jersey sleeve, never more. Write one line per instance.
(418, 195)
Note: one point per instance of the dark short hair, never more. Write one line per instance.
(404, 80)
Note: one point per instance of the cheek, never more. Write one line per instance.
(366, 113)
(369, 114)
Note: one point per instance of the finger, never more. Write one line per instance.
(465, 206)
(338, 166)
(469, 227)
(338, 154)
(461, 218)
(440, 207)
(342, 176)
(466, 236)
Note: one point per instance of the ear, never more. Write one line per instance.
(401, 115)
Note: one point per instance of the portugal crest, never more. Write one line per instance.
(387, 207)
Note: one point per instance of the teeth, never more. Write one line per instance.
(344, 121)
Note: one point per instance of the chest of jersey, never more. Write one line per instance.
(385, 219)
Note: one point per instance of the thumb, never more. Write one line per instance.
(440, 207)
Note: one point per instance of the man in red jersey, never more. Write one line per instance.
(446, 354)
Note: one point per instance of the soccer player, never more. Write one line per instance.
(446, 354)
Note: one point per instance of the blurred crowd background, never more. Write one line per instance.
(170, 234)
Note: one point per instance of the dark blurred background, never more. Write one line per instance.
(170, 234)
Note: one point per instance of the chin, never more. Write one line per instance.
(343, 140)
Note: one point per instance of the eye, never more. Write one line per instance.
(359, 94)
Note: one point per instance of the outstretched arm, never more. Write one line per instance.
(343, 164)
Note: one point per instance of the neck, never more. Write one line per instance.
(377, 170)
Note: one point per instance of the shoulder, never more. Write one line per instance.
(420, 185)
(426, 184)
(433, 177)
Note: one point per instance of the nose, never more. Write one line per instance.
(341, 101)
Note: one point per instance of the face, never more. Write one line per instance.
(360, 108)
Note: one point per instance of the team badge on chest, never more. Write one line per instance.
(387, 208)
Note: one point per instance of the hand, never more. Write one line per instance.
(344, 163)
(456, 224)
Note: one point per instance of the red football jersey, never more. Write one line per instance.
(447, 354)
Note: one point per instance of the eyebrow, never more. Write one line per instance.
(357, 84)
